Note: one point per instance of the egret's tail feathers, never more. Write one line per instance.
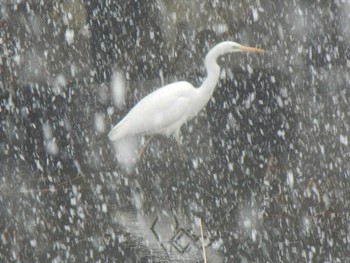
(115, 134)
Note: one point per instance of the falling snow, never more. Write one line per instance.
(118, 88)
(69, 36)
(264, 168)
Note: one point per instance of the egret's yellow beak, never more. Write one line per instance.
(252, 49)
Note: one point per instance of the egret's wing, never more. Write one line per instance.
(157, 111)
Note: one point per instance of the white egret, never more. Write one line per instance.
(166, 109)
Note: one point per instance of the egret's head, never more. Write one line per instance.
(229, 47)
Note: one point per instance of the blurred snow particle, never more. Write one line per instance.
(110, 111)
(273, 79)
(316, 192)
(60, 80)
(104, 208)
(232, 121)
(290, 179)
(254, 234)
(24, 112)
(161, 75)
(250, 69)
(306, 224)
(69, 36)
(99, 123)
(52, 147)
(126, 151)
(284, 92)
(326, 200)
(230, 166)
(17, 59)
(281, 133)
(217, 243)
(280, 31)
(255, 14)
(58, 83)
(75, 189)
(300, 49)
(321, 149)
(247, 223)
(118, 88)
(50, 143)
(73, 69)
(248, 101)
(38, 165)
(195, 163)
(80, 212)
(47, 131)
(104, 93)
(249, 138)
(220, 28)
(279, 101)
(343, 139)
(33, 242)
(137, 196)
(73, 201)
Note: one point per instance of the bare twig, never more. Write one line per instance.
(203, 245)
(141, 151)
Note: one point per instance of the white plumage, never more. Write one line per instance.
(165, 110)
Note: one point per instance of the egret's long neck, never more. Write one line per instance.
(205, 91)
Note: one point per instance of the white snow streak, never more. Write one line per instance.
(69, 36)
(99, 123)
(343, 139)
(118, 88)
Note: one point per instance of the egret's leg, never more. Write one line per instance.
(178, 137)
(178, 140)
(141, 151)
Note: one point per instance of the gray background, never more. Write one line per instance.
(266, 165)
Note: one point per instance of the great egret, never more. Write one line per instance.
(165, 110)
